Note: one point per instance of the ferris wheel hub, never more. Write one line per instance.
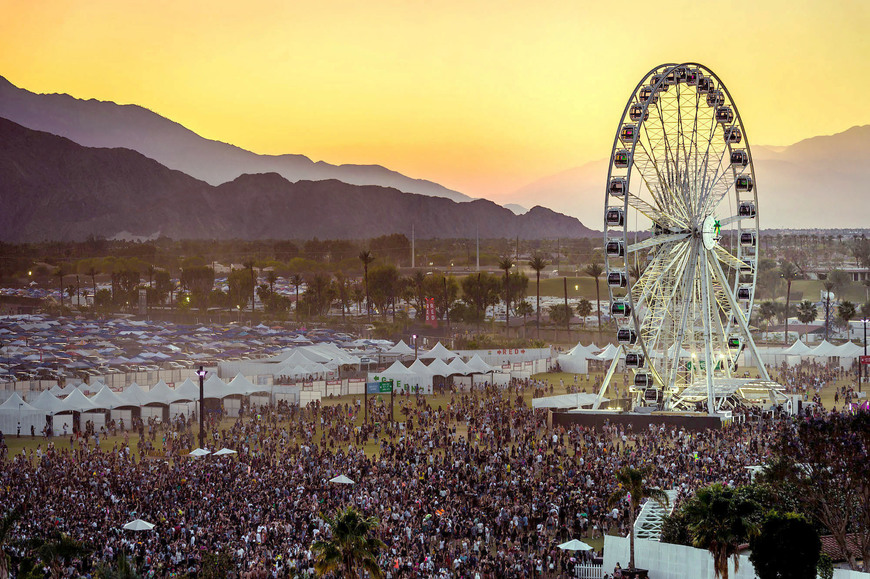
(710, 232)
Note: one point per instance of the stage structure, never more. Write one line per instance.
(681, 241)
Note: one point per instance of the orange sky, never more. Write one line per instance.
(482, 97)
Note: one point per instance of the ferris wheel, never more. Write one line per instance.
(681, 239)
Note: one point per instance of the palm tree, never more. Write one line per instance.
(296, 279)
(594, 270)
(60, 272)
(92, 271)
(584, 308)
(846, 311)
(351, 548)
(721, 521)
(271, 278)
(506, 263)
(121, 569)
(58, 552)
(807, 312)
(366, 258)
(249, 264)
(6, 524)
(538, 263)
(789, 272)
(631, 484)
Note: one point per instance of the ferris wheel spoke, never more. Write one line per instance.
(657, 183)
(733, 219)
(655, 241)
(661, 266)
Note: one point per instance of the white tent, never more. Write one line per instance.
(133, 395)
(439, 352)
(105, 398)
(608, 353)
(439, 368)
(16, 411)
(459, 367)
(244, 387)
(160, 393)
(419, 368)
(50, 403)
(188, 390)
(797, 349)
(214, 387)
(398, 370)
(77, 402)
(400, 349)
(576, 360)
(825, 349)
(477, 365)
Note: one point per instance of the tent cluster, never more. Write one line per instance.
(826, 353)
(576, 360)
(311, 362)
(160, 399)
(419, 375)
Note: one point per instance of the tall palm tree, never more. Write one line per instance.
(249, 265)
(846, 311)
(807, 312)
(59, 552)
(92, 272)
(366, 258)
(789, 272)
(60, 272)
(506, 263)
(631, 484)
(538, 263)
(271, 278)
(594, 270)
(721, 522)
(352, 547)
(296, 279)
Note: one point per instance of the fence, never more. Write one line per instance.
(588, 571)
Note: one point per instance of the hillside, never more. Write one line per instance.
(53, 188)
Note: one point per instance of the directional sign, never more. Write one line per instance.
(865, 360)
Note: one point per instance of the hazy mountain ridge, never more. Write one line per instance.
(94, 123)
(54, 188)
(817, 182)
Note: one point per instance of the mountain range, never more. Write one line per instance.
(817, 182)
(95, 123)
(54, 188)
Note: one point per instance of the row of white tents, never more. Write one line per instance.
(154, 401)
(576, 360)
(419, 376)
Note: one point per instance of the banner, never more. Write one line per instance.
(373, 387)
(430, 312)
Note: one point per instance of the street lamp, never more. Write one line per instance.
(861, 372)
(201, 373)
(414, 337)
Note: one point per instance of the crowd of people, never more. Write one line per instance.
(477, 487)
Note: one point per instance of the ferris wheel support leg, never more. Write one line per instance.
(708, 336)
(608, 377)
(741, 321)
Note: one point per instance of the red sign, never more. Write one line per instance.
(865, 360)
(430, 313)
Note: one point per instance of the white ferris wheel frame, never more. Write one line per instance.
(687, 311)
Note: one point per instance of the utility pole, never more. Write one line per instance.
(413, 253)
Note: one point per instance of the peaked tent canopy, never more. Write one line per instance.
(188, 391)
(439, 352)
(478, 366)
(50, 403)
(78, 402)
(797, 349)
(105, 398)
(15, 411)
(400, 349)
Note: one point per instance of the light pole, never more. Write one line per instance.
(861, 371)
(414, 337)
(201, 373)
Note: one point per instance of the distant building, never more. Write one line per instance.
(19, 305)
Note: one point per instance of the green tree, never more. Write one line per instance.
(297, 280)
(249, 265)
(721, 520)
(240, 287)
(59, 551)
(846, 311)
(633, 486)
(559, 314)
(383, 287)
(122, 568)
(584, 308)
(767, 311)
(506, 263)
(351, 548)
(367, 258)
(807, 312)
(60, 273)
(789, 272)
(787, 547)
(594, 270)
(524, 308)
(538, 263)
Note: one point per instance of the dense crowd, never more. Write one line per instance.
(479, 487)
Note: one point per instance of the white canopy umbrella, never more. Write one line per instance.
(575, 545)
(342, 480)
(225, 451)
(199, 452)
(138, 525)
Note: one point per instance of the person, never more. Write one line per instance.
(18, 434)
(617, 571)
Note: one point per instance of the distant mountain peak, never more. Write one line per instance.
(95, 123)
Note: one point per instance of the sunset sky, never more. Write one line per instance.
(482, 97)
